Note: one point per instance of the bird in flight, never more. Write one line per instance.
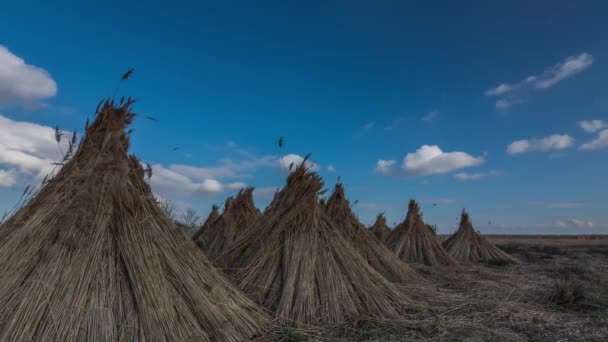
(127, 74)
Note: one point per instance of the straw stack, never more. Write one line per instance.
(93, 258)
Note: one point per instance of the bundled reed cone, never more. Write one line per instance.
(239, 214)
(413, 242)
(213, 216)
(380, 229)
(374, 251)
(93, 258)
(297, 264)
(467, 245)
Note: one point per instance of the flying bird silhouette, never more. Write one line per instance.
(151, 118)
(127, 74)
(280, 142)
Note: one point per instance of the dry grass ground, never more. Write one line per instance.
(558, 293)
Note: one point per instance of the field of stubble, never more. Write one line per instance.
(558, 293)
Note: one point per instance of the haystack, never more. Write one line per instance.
(380, 229)
(467, 245)
(213, 216)
(295, 262)
(374, 251)
(413, 242)
(239, 214)
(93, 258)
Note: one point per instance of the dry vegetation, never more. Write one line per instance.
(239, 214)
(380, 228)
(93, 256)
(363, 241)
(559, 294)
(414, 242)
(467, 245)
(297, 264)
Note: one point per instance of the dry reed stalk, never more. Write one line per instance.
(413, 242)
(213, 216)
(239, 214)
(380, 228)
(295, 262)
(467, 245)
(374, 251)
(93, 258)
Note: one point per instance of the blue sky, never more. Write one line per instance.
(472, 104)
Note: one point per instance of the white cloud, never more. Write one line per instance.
(598, 143)
(291, 161)
(465, 176)
(29, 148)
(265, 192)
(578, 223)
(504, 104)
(21, 83)
(384, 166)
(170, 181)
(551, 143)
(592, 126)
(550, 77)
(430, 116)
(331, 168)
(568, 68)
(7, 178)
(428, 160)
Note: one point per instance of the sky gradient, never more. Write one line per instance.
(501, 108)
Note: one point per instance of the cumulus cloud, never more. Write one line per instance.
(29, 148)
(21, 83)
(554, 142)
(7, 178)
(551, 76)
(592, 126)
(598, 143)
(291, 161)
(384, 166)
(331, 168)
(466, 176)
(429, 160)
(171, 181)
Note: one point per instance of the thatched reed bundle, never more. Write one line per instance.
(412, 241)
(239, 214)
(374, 251)
(211, 218)
(467, 245)
(380, 229)
(297, 264)
(93, 258)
